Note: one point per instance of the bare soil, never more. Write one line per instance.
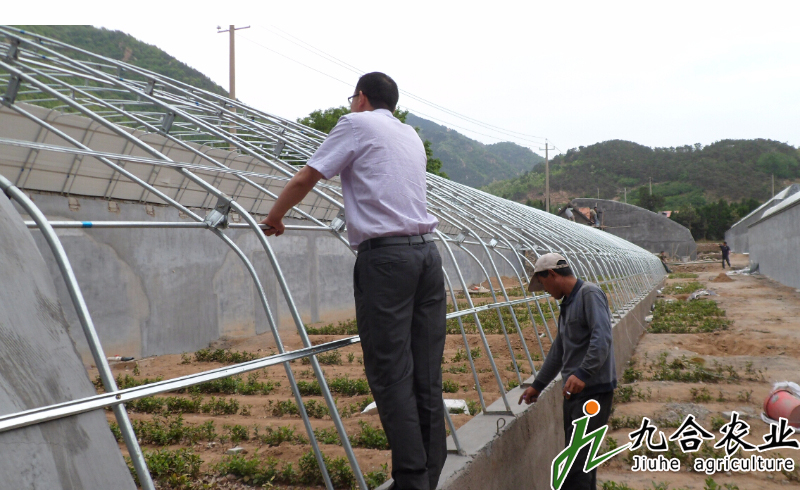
(761, 345)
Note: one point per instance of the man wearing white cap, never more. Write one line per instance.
(583, 351)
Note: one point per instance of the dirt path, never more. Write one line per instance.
(761, 346)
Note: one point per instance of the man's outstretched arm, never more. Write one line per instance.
(294, 192)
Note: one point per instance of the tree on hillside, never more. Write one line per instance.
(781, 165)
(434, 165)
(325, 121)
(538, 204)
(695, 174)
(687, 216)
(650, 202)
(711, 221)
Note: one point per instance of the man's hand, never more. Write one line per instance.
(294, 192)
(275, 226)
(529, 396)
(573, 386)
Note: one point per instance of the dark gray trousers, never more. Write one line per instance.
(400, 310)
(573, 409)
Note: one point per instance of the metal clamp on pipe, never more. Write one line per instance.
(218, 217)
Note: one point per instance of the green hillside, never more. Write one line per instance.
(124, 47)
(729, 169)
(470, 162)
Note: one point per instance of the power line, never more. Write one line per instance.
(411, 109)
(349, 84)
(318, 52)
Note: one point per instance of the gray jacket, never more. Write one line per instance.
(583, 345)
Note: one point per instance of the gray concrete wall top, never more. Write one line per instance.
(651, 231)
(738, 235)
(774, 242)
(39, 366)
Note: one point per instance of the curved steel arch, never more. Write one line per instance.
(71, 105)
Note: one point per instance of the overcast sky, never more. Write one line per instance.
(577, 73)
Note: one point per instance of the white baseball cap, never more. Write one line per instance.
(545, 263)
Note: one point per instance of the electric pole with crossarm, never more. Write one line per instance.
(232, 30)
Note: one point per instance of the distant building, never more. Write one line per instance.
(738, 237)
(654, 232)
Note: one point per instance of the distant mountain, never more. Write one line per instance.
(693, 174)
(123, 47)
(471, 162)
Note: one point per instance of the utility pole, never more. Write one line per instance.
(232, 86)
(651, 186)
(546, 175)
(773, 185)
(626, 195)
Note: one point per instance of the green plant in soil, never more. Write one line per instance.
(224, 356)
(348, 327)
(687, 287)
(449, 386)
(175, 469)
(698, 316)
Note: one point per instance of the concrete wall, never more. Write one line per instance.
(520, 454)
(162, 291)
(649, 230)
(774, 244)
(40, 366)
(738, 237)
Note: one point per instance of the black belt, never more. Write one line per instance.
(392, 241)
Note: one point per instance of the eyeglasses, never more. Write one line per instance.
(350, 99)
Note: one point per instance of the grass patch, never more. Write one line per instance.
(342, 385)
(700, 395)
(127, 381)
(682, 275)
(235, 385)
(449, 386)
(276, 436)
(698, 316)
(314, 408)
(176, 469)
(460, 369)
(625, 394)
(180, 405)
(166, 431)
(685, 287)
(683, 369)
(347, 327)
(369, 437)
(330, 358)
(224, 356)
(266, 472)
(490, 321)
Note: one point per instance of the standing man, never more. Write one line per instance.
(726, 253)
(583, 351)
(568, 214)
(663, 257)
(397, 280)
(593, 217)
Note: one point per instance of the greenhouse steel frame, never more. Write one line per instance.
(199, 151)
